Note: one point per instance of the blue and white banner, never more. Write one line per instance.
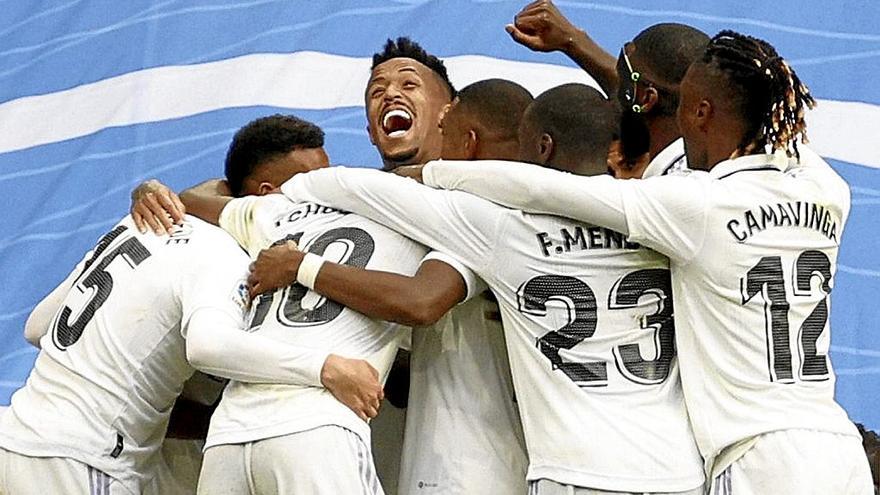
(98, 95)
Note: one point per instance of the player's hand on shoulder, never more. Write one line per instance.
(411, 171)
(275, 267)
(355, 383)
(156, 206)
(540, 26)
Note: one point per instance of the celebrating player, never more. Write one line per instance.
(282, 438)
(116, 336)
(440, 399)
(753, 246)
(588, 314)
(645, 77)
(459, 366)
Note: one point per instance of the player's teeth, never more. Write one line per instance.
(395, 113)
(396, 133)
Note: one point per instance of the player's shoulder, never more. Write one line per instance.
(199, 238)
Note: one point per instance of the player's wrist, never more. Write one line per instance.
(308, 269)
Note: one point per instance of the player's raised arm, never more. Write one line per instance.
(540, 26)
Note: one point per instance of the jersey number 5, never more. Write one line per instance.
(96, 279)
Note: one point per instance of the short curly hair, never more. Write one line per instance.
(265, 139)
(404, 47)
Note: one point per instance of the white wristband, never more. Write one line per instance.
(308, 270)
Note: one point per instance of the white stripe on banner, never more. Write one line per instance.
(315, 81)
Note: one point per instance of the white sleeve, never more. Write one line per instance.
(461, 225)
(535, 189)
(473, 282)
(217, 344)
(666, 214)
(241, 219)
(40, 319)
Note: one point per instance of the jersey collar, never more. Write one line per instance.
(670, 158)
(777, 161)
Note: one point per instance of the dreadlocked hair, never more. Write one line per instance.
(769, 94)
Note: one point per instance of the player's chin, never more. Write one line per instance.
(399, 153)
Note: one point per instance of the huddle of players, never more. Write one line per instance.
(585, 269)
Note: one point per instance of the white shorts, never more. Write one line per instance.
(547, 487)
(798, 462)
(24, 475)
(328, 460)
(177, 472)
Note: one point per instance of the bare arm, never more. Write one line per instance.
(414, 301)
(207, 200)
(540, 26)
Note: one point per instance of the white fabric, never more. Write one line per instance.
(716, 228)
(308, 270)
(105, 398)
(23, 475)
(798, 462)
(670, 160)
(216, 344)
(328, 460)
(572, 425)
(297, 316)
(533, 189)
(472, 281)
(547, 487)
(177, 472)
(463, 431)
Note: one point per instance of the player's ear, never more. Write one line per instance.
(650, 98)
(703, 115)
(471, 144)
(546, 147)
(266, 188)
(370, 134)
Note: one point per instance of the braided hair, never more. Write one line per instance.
(769, 94)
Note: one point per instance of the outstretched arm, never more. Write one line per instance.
(540, 26)
(667, 214)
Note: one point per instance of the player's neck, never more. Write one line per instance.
(664, 130)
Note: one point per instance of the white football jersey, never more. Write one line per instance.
(298, 316)
(463, 432)
(588, 325)
(114, 360)
(753, 251)
(670, 160)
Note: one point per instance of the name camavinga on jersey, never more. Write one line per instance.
(791, 214)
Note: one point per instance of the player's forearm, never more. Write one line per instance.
(400, 204)
(594, 200)
(40, 319)
(217, 346)
(600, 64)
(385, 295)
(206, 200)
